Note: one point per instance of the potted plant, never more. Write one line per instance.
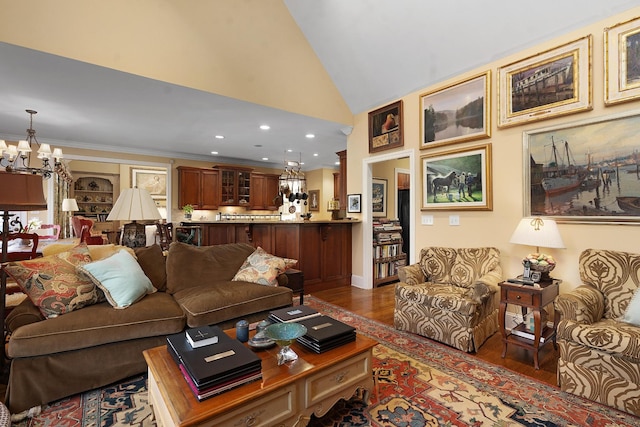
(188, 211)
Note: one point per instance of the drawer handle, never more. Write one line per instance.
(250, 420)
(517, 296)
(339, 378)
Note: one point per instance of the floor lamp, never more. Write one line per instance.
(25, 194)
(134, 204)
(71, 206)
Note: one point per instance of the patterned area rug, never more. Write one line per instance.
(419, 383)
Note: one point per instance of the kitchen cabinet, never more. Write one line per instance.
(198, 187)
(235, 186)
(264, 189)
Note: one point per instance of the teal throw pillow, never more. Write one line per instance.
(120, 277)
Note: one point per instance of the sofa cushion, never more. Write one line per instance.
(191, 266)
(223, 300)
(155, 315)
(120, 277)
(154, 264)
(607, 336)
(53, 284)
(262, 268)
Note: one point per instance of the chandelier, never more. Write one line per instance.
(16, 159)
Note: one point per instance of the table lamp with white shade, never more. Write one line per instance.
(134, 204)
(71, 206)
(538, 232)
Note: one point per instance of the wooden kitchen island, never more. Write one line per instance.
(322, 248)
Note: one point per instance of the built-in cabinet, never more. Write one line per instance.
(323, 249)
(95, 195)
(209, 189)
(198, 187)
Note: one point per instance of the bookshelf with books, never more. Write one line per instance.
(387, 251)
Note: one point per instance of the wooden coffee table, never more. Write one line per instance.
(287, 395)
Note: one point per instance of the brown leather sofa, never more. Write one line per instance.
(97, 345)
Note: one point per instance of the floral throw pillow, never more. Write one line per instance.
(262, 268)
(52, 283)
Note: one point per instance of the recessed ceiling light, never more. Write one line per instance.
(289, 150)
(214, 152)
(265, 127)
(338, 162)
(310, 135)
(315, 154)
(258, 145)
(219, 136)
(265, 158)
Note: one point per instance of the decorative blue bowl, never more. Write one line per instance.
(282, 332)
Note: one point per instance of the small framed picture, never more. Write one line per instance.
(314, 200)
(622, 77)
(379, 197)
(354, 203)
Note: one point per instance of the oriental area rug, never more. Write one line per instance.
(418, 383)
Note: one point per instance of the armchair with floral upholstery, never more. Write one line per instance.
(450, 295)
(598, 333)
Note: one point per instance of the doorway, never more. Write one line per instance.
(367, 218)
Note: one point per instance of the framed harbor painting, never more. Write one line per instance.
(385, 128)
(622, 62)
(586, 171)
(459, 112)
(550, 84)
(457, 179)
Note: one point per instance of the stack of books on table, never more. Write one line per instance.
(323, 332)
(213, 368)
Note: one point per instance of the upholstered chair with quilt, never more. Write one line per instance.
(450, 295)
(599, 331)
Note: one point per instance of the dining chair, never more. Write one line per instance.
(86, 237)
(165, 235)
(19, 251)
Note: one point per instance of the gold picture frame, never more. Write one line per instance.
(456, 113)
(152, 180)
(553, 83)
(621, 71)
(385, 128)
(459, 179)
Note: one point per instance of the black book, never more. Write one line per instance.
(328, 345)
(214, 362)
(204, 393)
(203, 335)
(321, 329)
(293, 314)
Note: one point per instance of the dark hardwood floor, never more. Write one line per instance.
(378, 304)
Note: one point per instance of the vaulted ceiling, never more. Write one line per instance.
(164, 78)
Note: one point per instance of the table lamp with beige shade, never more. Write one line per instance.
(134, 204)
(538, 232)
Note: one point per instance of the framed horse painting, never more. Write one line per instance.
(458, 179)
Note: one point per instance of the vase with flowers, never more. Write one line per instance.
(31, 227)
(188, 211)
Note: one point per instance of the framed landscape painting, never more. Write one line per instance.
(385, 128)
(459, 112)
(586, 171)
(622, 62)
(457, 179)
(550, 84)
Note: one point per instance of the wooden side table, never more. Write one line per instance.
(532, 298)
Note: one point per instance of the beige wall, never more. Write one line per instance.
(494, 228)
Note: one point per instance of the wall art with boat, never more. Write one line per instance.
(585, 171)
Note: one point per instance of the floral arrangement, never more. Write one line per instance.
(188, 209)
(32, 225)
(540, 262)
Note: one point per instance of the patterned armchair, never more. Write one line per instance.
(450, 295)
(600, 354)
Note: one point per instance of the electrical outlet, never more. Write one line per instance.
(427, 219)
(454, 219)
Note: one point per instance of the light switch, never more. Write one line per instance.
(454, 219)
(427, 219)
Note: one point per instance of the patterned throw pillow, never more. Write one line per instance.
(52, 283)
(262, 268)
